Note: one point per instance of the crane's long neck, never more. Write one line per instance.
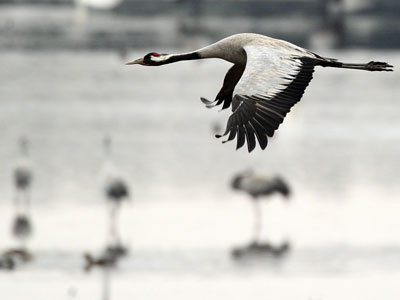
(211, 51)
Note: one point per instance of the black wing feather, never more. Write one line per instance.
(251, 141)
(240, 136)
(260, 133)
(260, 115)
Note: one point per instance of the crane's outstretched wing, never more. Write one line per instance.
(224, 96)
(270, 85)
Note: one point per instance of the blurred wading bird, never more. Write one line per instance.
(23, 177)
(116, 191)
(258, 186)
(267, 78)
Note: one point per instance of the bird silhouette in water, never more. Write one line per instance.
(18, 254)
(267, 78)
(261, 249)
(259, 187)
(104, 261)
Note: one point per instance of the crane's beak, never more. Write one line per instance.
(136, 62)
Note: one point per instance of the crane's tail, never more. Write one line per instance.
(371, 66)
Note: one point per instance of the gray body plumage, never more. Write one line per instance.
(232, 48)
(257, 185)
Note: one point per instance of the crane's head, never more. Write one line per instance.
(151, 59)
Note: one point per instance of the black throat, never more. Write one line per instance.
(179, 57)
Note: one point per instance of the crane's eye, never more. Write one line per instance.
(155, 54)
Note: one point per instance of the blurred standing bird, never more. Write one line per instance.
(267, 78)
(23, 177)
(258, 186)
(116, 190)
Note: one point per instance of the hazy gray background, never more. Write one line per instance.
(64, 86)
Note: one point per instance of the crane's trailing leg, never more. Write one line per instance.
(371, 66)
